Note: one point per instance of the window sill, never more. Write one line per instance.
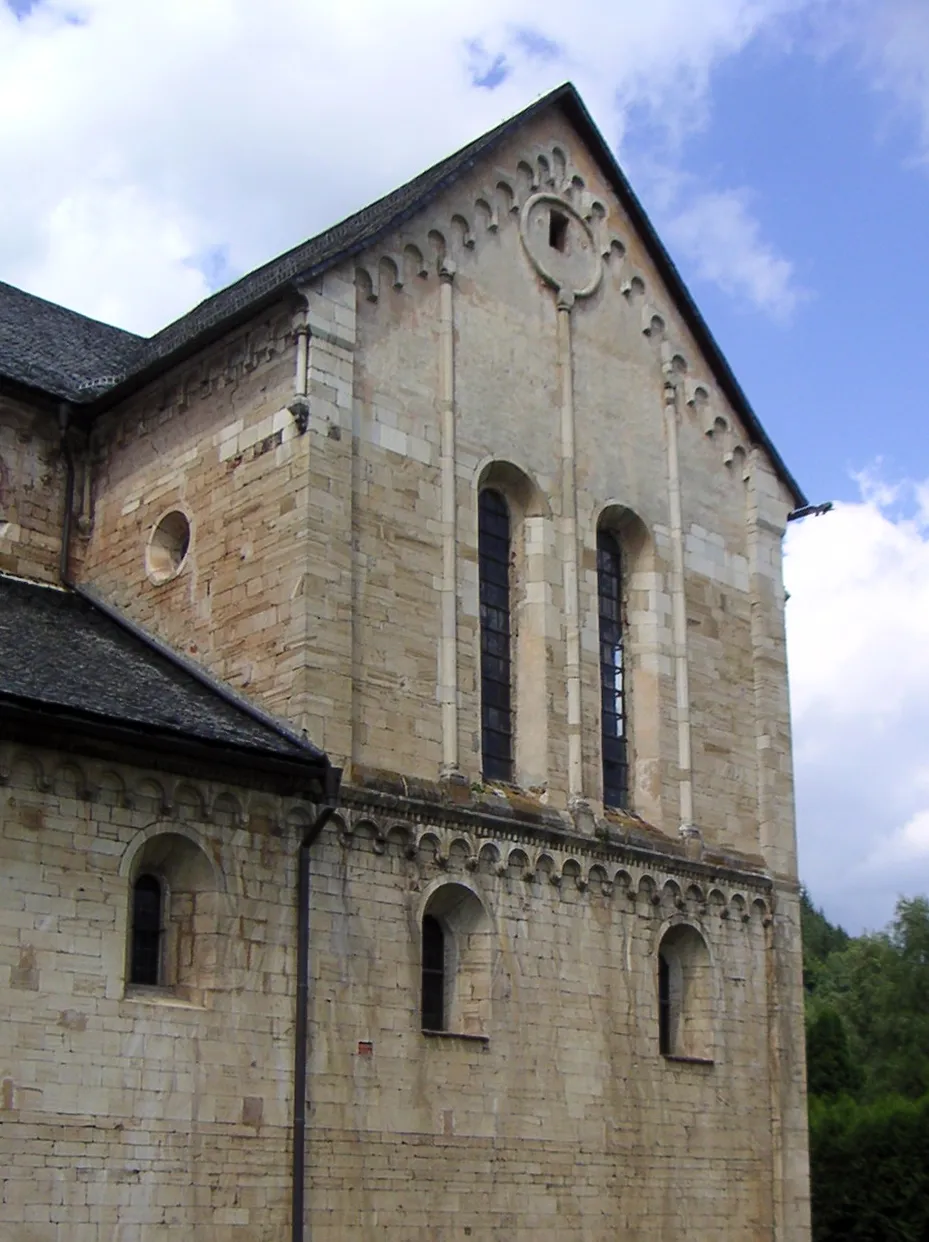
(150, 995)
(474, 1039)
(680, 1060)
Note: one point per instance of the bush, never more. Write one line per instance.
(869, 1168)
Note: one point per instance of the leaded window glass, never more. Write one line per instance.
(612, 672)
(433, 981)
(145, 962)
(496, 669)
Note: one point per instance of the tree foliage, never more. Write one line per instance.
(868, 1076)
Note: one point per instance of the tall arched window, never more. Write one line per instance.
(433, 992)
(145, 956)
(612, 672)
(496, 672)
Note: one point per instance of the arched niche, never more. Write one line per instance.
(174, 870)
(456, 952)
(686, 995)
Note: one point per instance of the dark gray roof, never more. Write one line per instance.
(135, 360)
(49, 347)
(67, 660)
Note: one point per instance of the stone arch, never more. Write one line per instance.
(415, 261)
(530, 535)
(648, 889)
(598, 880)
(461, 231)
(176, 862)
(485, 210)
(622, 883)
(488, 858)
(695, 897)
(111, 788)
(367, 282)
(717, 904)
(69, 780)
(460, 851)
(188, 801)
(738, 909)
(526, 182)
(390, 270)
(618, 527)
(560, 163)
(547, 868)
(517, 864)
(672, 899)
(506, 195)
(453, 921)
(572, 875)
(686, 993)
(227, 809)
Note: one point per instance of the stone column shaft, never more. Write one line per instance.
(569, 557)
(448, 653)
(678, 607)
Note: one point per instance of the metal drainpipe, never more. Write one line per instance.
(298, 1143)
(330, 794)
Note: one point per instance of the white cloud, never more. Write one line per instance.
(140, 136)
(889, 40)
(858, 639)
(723, 240)
(895, 46)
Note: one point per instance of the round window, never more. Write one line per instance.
(167, 546)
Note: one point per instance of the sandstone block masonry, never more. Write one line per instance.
(621, 1042)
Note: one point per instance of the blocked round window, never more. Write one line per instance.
(167, 546)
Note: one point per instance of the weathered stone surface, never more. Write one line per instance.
(315, 581)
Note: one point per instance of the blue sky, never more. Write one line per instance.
(782, 149)
(836, 186)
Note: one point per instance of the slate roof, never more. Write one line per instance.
(66, 660)
(59, 351)
(89, 351)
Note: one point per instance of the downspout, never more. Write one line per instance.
(298, 1141)
(332, 779)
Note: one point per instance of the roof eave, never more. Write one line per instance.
(46, 723)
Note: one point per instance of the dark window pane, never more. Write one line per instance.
(145, 956)
(433, 990)
(612, 701)
(496, 672)
(664, 1007)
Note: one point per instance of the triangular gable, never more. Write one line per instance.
(266, 285)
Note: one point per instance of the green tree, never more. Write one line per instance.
(829, 1065)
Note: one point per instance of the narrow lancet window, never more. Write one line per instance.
(145, 963)
(433, 990)
(496, 685)
(664, 1006)
(612, 672)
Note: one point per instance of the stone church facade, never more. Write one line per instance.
(464, 492)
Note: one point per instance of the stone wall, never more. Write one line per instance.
(128, 1113)
(32, 488)
(138, 1113)
(332, 574)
